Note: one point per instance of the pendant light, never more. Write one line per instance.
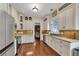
(35, 9)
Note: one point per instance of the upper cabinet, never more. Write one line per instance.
(46, 23)
(62, 20)
(4, 7)
(77, 16)
(67, 18)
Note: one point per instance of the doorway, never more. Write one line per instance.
(37, 32)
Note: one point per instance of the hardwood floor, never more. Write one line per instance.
(38, 48)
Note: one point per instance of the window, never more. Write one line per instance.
(54, 26)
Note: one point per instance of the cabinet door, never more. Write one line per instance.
(27, 39)
(65, 50)
(70, 18)
(62, 20)
(26, 25)
(9, 29)
(46, 40)
(3, 6)
(58, 45)
(30, 25)
(2, 30)
(53, 43)
(50, 41)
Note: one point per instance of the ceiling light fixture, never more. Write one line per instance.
(35, 9)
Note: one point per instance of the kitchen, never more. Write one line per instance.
(59, 29)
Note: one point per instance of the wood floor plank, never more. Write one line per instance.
(38, 48)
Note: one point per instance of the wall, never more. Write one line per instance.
(29, 25)
(38, 20)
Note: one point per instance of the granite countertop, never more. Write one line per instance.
(66, 39)
(63, 38)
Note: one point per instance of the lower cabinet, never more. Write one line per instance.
(60, 46)
(27, 39)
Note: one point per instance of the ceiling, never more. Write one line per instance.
(43, 8)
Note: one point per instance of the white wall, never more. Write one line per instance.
(38, 20)
(29, 25)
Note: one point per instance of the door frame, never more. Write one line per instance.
(34, 29)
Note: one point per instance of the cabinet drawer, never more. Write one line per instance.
(65, 50)
(65, 43)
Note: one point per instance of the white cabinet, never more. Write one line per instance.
(70, 17)
(60, 46)
(2, 30)
(27, 39)
(6, 30)
(77, 16)
(67, 18)
(65, 50)
(62, 20)
(4, 7)
(46, 39)
(28, 25)
(46, 23)
(9, 29)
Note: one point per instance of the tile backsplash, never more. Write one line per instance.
(73, 34)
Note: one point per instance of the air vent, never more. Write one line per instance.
(65, 5)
